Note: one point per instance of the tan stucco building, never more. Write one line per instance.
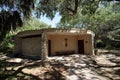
(52, 41)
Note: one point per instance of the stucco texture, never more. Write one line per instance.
(58, 43)
(31, 43)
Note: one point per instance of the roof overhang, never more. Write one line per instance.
(56, 31)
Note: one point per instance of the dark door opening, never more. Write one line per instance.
(81, 46)
(49, 47)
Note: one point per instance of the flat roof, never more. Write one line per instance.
(54, 30)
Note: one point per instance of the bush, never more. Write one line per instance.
(7, 44)
(100, 44)
(108, 46)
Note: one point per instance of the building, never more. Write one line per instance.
(53, 41)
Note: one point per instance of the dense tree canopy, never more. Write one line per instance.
(33, 24)
(104, 22)
(13, 12)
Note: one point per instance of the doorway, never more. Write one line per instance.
(49, 47)
(81, 46)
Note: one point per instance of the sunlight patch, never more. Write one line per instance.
(16, 60)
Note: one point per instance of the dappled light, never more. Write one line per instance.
(71, 67)
(81, 43)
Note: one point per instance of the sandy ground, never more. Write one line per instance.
(105, 66)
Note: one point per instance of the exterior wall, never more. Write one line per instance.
(17, 44)
(31, 46)
(44, 53)
(37, 45)
(87, 42)
(58, 43)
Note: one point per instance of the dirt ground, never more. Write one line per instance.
(104, 66)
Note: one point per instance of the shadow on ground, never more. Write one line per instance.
(71, 67)
(12, 68)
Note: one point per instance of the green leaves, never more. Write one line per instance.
(11, 14)
(89, 6)
(8, 21)
(102, 17)
(33, 24)
(74, 13)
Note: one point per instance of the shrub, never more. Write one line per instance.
(7, 44)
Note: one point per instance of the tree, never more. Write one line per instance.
(33, 24)
(17, 10)
(11, 14)
(104, 22)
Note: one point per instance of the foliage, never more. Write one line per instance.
(8, 21)
(104, 22)
(88, 14)
(33, 24)
(8, 43)
(13, 12)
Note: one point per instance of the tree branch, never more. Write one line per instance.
(74, 11)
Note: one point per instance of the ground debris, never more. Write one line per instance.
(71, 67)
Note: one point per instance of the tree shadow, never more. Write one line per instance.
(112, 72)
(53, 69)
(11, 70)
(7, 71)
(54, 75)
(88, 62)
(117, 72)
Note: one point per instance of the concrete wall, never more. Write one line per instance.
(17, 44)
(87, 42)
(58, 43)
(31, 46)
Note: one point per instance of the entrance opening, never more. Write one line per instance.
(49, 47)
(81, 46)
